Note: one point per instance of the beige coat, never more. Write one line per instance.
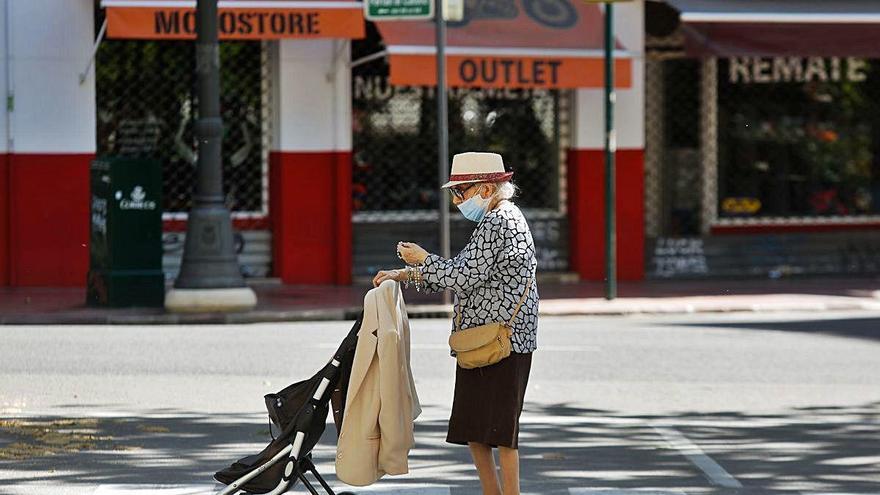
(381, 404)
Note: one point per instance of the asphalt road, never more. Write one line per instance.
(741, 403)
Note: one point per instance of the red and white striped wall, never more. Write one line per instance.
(47, 140)
(310, 162)
(586, 165)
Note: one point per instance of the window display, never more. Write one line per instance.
(798, 137)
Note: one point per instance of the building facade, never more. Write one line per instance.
(328, 161)
(761, 139)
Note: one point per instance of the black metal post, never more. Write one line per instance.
(610, 149)
(209, 258)
(442, 133)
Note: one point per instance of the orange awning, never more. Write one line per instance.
(238, 19)
(523, 46)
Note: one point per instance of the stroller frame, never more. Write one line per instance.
(298, 464)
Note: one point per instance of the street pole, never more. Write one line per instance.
(210, 278)
(610, 149)
(442, 133)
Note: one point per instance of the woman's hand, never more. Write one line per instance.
(411, 253)
(383, 275)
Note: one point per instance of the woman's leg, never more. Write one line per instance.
(485, 464)
(509, 459)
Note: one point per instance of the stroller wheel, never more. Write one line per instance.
(345, 493)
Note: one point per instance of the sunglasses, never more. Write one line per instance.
(459, 192)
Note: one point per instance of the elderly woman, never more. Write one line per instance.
(493, 280)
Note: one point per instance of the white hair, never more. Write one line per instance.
(505, 190)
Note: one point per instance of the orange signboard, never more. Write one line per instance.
(510, 44)
(508, 71)
(289, 19)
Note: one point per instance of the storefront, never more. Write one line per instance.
(513, 80)
(771, 113)
(328, 159)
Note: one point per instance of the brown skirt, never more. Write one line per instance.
(488, 402)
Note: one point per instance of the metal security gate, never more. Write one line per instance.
(146, 105)
(395, 155)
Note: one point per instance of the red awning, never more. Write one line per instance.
(728, 28)
(536, 43)
(238, 19)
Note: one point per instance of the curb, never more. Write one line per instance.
(258, 316)
(587, 307)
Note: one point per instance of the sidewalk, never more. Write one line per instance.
(277, 302)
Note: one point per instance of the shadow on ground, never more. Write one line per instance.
(827, 449)
(861, 328)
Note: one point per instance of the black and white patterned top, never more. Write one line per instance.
(490, 275)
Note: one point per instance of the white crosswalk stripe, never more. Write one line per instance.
(404, 490)
(713, 471)
(616, 491)
(386, 489)
(207, 489)
(203, 489)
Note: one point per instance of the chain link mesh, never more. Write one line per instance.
(147, 104)
(395, 141)
(395, 137)
(395, 171)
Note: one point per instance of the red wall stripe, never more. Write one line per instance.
(4, 220)
(793, 227)
(343, 204)
(310, 210)
(48, 219)
(586, 211)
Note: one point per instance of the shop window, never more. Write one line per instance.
(798, 137)
(395, 137)
(147, 104)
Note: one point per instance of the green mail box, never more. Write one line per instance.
(125, 267)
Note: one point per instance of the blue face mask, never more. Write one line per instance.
(474, 209)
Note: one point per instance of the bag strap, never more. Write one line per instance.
(519, 305)
(515, 311)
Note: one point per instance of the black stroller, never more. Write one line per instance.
(300, 412)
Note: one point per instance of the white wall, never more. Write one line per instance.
(629, 111)
(312, 96)
(3, 115)
(51, 43)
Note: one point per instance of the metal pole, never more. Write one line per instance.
(442, 133)
(209, 259)
(610, 149)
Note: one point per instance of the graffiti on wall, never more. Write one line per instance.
(679, 257)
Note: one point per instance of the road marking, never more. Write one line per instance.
(716, 474)
(204, 489)
(413, 489)
(444, 347)
(158, 489)
(616, 491)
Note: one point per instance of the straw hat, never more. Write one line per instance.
(473, 167)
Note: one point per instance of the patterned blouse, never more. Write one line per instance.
(490, 275)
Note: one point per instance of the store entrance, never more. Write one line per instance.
(680, 182)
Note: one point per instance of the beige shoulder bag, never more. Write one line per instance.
(486, 344)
